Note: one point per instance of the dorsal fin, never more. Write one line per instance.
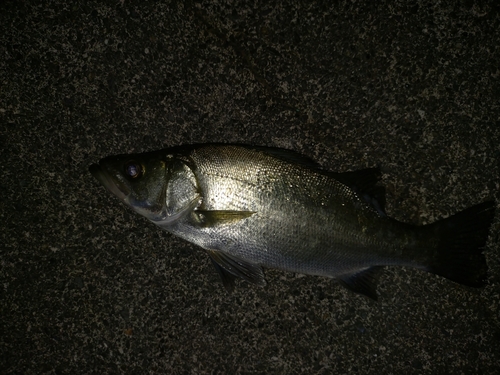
(286, 155)
(364, 183)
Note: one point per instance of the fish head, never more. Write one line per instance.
(138, 180)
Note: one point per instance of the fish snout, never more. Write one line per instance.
(113, 184)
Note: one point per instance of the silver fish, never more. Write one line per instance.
(254, 207)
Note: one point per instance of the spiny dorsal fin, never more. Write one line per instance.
(363, 182)
(286, 155)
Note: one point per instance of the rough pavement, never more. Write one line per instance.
(89, 287)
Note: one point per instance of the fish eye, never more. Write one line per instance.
(133, 169)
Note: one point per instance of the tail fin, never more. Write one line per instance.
(462, 237)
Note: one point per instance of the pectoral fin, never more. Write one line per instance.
(362, 282)
(214, 218)
(229, 266)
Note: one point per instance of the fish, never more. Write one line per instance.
(252, 207)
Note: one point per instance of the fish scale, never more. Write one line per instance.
(280, 249)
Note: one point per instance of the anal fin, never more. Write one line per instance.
(363, 281)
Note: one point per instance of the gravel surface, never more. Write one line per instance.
(89, 287)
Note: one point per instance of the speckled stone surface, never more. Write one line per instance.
(88, 287)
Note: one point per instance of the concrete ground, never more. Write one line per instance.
(89, 287)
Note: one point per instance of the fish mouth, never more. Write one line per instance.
(115, 186)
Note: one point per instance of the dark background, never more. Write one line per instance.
(89, 287)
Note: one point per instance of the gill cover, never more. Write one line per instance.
(181, 192)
